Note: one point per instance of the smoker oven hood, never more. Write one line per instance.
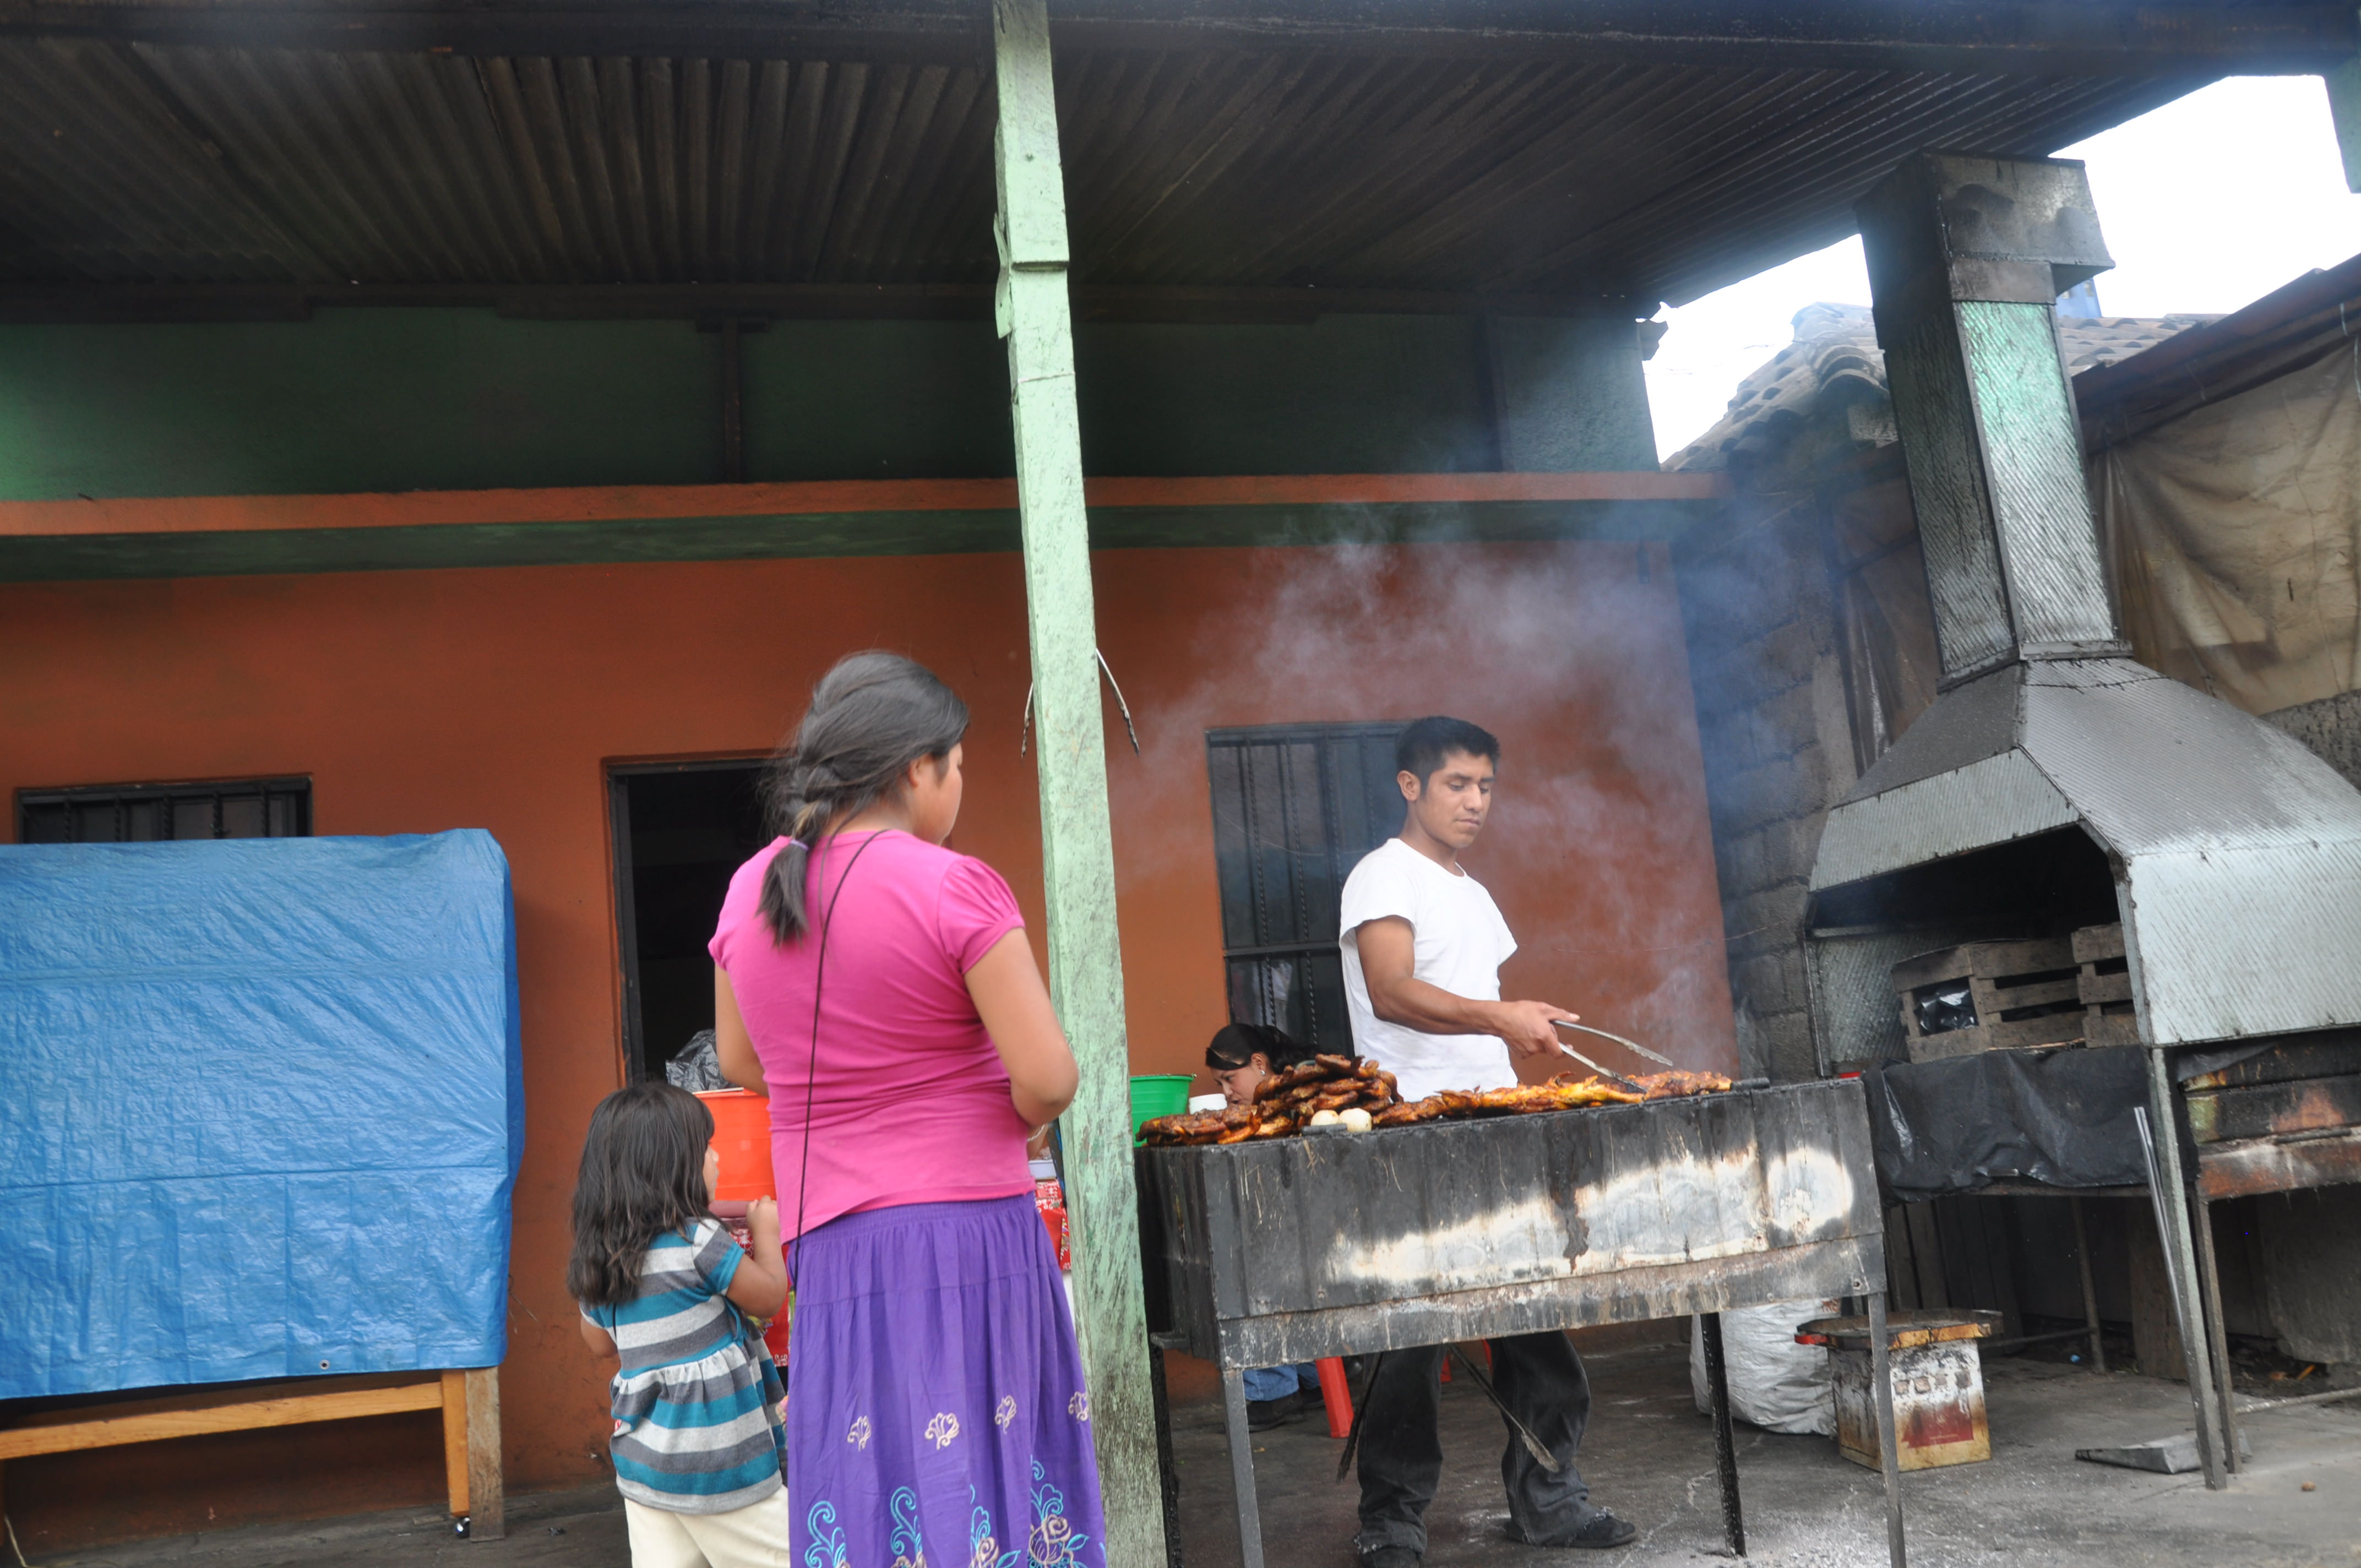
(2236, 852)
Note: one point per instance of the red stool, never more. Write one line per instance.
(1337, 1395)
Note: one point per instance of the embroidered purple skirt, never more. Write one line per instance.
(936, 1411)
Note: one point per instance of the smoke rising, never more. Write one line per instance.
(1598, 849)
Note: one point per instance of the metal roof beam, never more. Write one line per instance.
(123, 302)
(2036, 37)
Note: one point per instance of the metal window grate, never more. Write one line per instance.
(1295, 808)
(136, 814)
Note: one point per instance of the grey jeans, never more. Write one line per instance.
(1539, 1377)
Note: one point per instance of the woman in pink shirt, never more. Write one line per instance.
(878, 988)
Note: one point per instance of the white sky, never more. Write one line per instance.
(2207, 203)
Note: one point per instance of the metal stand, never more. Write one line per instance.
(1725, 1449)
(1242, 1481)
(2089, 1292)
(2170, 1193)
(2217, 1330)
(1167, 1471)
(1880, 1400)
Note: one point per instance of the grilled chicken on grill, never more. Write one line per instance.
(1285, 1102)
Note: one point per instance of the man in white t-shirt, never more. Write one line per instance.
(1422, 944)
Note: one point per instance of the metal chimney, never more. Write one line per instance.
(2236, 854)
(1967, 258)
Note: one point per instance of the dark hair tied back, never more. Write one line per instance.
(871, 717)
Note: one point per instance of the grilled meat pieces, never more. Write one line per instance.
(1283, 1104)
(1567, 1091)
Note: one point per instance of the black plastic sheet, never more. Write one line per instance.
(2061, 1117)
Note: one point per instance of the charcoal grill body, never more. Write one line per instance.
(1266, 1254)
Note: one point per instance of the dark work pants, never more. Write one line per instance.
(1539, 1377)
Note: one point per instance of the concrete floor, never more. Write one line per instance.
(1649, 1457)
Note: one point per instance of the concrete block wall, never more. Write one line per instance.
(2331, 727)
(1769, 685)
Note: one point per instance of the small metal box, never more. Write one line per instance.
(1938, 1386)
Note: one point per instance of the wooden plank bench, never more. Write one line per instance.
(469, 1400)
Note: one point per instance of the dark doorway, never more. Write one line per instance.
(681, 829)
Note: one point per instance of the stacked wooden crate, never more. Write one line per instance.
(1986, 996)
(2105, 986)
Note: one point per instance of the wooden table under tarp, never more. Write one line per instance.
(1339, 1244)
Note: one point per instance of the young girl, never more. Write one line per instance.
(879, 987)
(698, 1442)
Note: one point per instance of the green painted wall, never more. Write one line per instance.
(353, 400)
(392, 399)
(1343, 395)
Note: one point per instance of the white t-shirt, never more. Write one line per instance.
(1458, 943)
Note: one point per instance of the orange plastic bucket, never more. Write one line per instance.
(741, 1137)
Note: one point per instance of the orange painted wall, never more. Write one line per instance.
(425, 700)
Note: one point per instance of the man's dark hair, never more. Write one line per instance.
(1425, 742)
(1236, 1044)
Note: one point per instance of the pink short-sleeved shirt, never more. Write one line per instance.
(909, 1102)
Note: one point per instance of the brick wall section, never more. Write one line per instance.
(2331, 727)
(1769, 685)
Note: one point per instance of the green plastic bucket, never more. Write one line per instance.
(1157, 1094)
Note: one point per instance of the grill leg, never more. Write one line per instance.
(2217, 1329)
(1881, 1401)
(2172, 1200)
(2089, 1292)
(1242, 1479)
(1168, 1473)
(1725, 1447)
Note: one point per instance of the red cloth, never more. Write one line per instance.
(909, 1102)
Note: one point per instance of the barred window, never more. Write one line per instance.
(131, 814)
(1295, 808)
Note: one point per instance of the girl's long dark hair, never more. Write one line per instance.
(643, 1175)
(871, 717)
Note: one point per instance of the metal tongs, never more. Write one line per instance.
(1615, 1078)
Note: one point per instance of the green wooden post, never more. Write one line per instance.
(2344, 108)
(1077, 847)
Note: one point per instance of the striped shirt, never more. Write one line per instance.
(699, 1423)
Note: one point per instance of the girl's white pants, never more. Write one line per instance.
(752, 1537)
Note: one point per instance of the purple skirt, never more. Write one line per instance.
(935, 1411)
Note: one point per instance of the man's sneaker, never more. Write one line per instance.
(1598, 1531)
(1392, 1557)
(1264, 1414)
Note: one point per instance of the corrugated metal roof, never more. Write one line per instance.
(140, 161)
(2287, 329)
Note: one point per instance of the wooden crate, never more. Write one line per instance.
(2009, 992)
(2104, 985)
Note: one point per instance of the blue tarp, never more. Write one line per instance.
(260, 1109)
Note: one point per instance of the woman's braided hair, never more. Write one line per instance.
(871, 717)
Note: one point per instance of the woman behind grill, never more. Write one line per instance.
(879, 989)
(1241, 1056)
